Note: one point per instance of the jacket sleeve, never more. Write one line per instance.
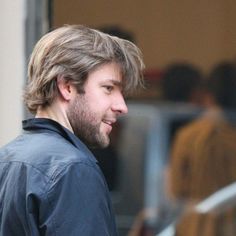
(179, 169)
(77, 203)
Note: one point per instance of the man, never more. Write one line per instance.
(50, 183)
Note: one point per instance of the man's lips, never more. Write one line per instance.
(109, 121)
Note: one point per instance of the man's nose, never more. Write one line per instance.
(120, 106)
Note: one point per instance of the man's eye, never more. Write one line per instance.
(108, 88)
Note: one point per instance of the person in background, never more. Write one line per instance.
(203, 157)
(50, 183)
(116, 30)
(182, 82)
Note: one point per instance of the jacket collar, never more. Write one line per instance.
(48, 125)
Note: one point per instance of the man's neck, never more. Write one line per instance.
(54, 112)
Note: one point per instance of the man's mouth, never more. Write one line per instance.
(109, 122)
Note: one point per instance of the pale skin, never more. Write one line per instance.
(103, 98)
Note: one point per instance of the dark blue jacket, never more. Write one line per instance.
(50, 184)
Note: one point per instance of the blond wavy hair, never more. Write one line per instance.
(73, 51)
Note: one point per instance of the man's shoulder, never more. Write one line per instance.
(44, 152)
(43, 143)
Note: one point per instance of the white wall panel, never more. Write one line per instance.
(12, 68)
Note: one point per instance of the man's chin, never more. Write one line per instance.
(102, 142)
(101, 145)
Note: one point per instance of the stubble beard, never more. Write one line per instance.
(85, 124)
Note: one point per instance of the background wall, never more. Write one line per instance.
(22, 22)
(202, 32)
(12, 67)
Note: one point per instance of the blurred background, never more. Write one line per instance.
(183, 43)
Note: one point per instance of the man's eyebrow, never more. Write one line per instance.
(115, 82)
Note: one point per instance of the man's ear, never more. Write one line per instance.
(65, 88)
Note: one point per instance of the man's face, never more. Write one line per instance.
(93, 113)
